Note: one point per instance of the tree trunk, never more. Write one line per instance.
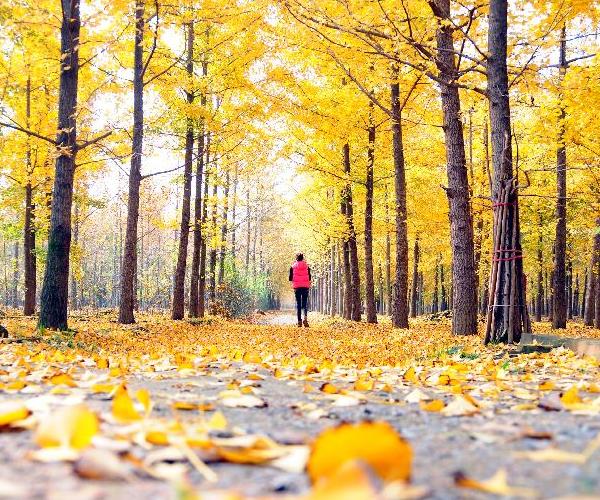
(356, 305)
(55, 288)
(234, 217)
(29, 252)
(507, 316)
(584, 294)
(369, 275)
(559, 316)
(212, 262)
(569, 290)
(444, 296)
(388, 258)
(129, 264)
(75, 223)
(29, 257)
(464, 280)
(592, 285)
(197, 242)
(540, 276)
(202, 278)
(179, 285)
(224, 229)
(436, 277)
(400, 294)
(414, 296)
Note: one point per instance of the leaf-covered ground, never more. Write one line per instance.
(215, 408)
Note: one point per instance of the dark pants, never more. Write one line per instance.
(301, 302)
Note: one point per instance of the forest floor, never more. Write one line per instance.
(215, 409)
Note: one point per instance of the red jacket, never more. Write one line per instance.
(300, 274)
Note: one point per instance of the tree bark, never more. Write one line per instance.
(559, 316)
(592, 282)
(400, 290)
(507, 315)
(29, 256)
(195, 271)
(129, 264)
(179, 285)
(224, 229)
(55, 288)
(369, 275)
(540, 273)
(435, 300)
(202, 278)
(464, 281)
(414, 296)
(356, 310)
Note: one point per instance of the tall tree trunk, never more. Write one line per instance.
(414, 299)
(352, 246)
(400, 295)
(369, 276)
(179, 285)
(464, 281)
(29, 252)
(388, 258)
(332, 283)
(248, 231)
(15, 278)
(224, 229)
(129, 263)
(507, 316)
(435, 300)
(584, 294)
(347, 302)
(234, 216)
(55, 288)
(198, 202)
(212, 263)
(29, 257)
(559, 316)
(195, 271)
(540, 275)
(592, 284)
(444, 296)
(75, 222)
(202, 280)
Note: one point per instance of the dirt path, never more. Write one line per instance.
(506, 422)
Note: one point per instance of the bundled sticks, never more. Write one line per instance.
(507, 314)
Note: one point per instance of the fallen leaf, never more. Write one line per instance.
(70, 427)
(433, 406)
(387, 453)
(12, 411)
(102, 465)
(497, 485)
(460, 406)
(416, 396)
(123, 409)
(243, 401)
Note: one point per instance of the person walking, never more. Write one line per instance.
(301, 278)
